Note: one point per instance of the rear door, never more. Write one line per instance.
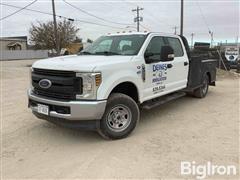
(178, 73)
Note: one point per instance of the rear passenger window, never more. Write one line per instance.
(176, 45)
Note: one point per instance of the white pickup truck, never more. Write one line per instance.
(105, 86)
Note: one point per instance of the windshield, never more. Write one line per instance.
(116, 45)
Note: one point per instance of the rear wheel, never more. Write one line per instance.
(203, 90)
(120, 117)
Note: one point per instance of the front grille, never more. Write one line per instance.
(54, 72)
(54, 95)
(65, 85)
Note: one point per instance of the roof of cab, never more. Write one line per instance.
(127, 33)
(140, 33)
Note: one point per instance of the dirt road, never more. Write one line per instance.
(187, 129)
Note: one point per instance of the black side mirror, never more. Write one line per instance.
(167, 53)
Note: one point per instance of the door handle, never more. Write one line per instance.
(169, 65)
(185, 63)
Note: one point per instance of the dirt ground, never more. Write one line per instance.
(187, 129)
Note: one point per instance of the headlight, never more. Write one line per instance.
(90, 84)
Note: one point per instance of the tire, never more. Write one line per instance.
(120, 117)
(203, 90)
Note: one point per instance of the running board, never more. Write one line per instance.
(162, 100)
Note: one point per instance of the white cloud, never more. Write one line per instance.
(222, 17)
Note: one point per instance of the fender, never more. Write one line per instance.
(111, 81)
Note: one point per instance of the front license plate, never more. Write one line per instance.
(43, 109)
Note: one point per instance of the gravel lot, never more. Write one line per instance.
(187, 129)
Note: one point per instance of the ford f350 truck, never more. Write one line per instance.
(105, 86)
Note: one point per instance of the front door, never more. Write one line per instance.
(163, 77)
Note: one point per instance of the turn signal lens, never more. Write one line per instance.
(98, 79)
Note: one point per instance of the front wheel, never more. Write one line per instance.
(120, 118)
(203, 90)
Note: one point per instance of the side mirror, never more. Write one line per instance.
(167, 53)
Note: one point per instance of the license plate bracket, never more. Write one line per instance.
(43, 109)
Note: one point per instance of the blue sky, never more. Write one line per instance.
(200, 16)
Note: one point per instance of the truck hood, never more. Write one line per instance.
(82, 63)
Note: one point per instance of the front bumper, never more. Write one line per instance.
(78, 110)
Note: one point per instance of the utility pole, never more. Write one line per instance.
(211, 34)
(181, 23)
(192, 40)
(175, 29)
(55, 28)
(138, 18)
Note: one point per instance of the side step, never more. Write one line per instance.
(162, 100)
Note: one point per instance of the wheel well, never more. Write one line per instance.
(127, 88)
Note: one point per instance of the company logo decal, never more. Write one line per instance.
(159, 67)
(45, 83)
(159, 75)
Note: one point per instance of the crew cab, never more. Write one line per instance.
(105, 86)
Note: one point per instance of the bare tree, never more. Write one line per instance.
(42, 34)
(89, 41)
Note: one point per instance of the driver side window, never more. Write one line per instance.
(154, 47)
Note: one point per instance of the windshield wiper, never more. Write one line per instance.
(107, 53)
(85, 52)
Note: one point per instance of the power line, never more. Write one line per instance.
(203, 17)
(144, 27)
(18, 10)
(155, 19)
(64, 17)
(205, 21)
(41, 12)
(90, 14)
(93, 23)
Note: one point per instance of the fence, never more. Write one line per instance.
(23, 54)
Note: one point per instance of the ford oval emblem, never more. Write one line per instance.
(45, 83)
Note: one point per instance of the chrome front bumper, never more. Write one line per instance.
(79, 110)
